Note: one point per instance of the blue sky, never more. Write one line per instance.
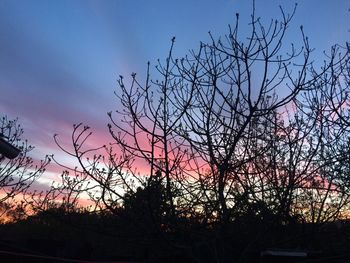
(59, 60)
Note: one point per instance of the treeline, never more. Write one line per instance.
(132, 234)
(241, 145)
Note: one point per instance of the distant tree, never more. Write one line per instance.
(18, 174)
(146, 209)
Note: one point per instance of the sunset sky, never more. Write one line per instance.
(59, 60)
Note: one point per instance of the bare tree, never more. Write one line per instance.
(18, 174)
(236, 90)
(327, 105)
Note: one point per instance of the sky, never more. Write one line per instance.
(60, 60)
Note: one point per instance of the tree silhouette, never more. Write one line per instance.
(245, 129)
(18, 174)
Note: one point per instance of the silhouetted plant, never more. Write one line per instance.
(18, 174)
(241, 130)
